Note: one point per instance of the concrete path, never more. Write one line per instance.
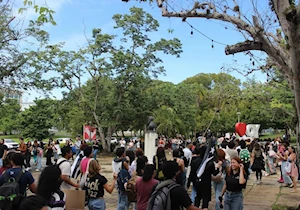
(256, 197)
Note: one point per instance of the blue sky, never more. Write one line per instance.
(76, 17)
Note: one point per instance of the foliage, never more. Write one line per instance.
(15, 63)
(116, 73)
(37, 120)
(9, 111)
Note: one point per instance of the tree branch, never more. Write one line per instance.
(243, 47)
(239, 23)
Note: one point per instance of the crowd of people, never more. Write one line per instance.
(160, 183)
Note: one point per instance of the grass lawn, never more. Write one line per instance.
(273, 136)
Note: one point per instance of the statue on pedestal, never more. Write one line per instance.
(151, 124)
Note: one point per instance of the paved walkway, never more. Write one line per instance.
(256, 197)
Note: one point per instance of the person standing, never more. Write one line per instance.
(28, 155)
(96, 183)
(48, 188)
(49, 152)
(283, 154)
(178, 195)
(219, 179)
(3, 151)
(235, 182)
(65, 167)
(245, 156)
(39, 156)
(26, 179)
(77, 145)
(96, 149)
(144, 186)
(119, 163)
(56, 151)
(22, 147)
(257, 161)
(293, 173)
(231, 150)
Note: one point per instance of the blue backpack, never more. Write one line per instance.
(123, 177)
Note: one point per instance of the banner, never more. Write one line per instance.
(89, 133)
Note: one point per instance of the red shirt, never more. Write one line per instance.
(144, 190)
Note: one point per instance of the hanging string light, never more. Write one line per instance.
(195, 29)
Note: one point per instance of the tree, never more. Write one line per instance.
(9, 111)
(113, 71)
(37, 120)
(15, 62)
(281, 45)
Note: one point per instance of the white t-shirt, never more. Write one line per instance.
(122, 143)
(65, 168)
(188, 154)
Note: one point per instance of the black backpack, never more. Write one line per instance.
(10, 196)
(160, 199)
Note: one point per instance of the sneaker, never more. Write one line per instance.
(280, 181)
(37, 170)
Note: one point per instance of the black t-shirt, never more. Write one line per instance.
(95, 186)
(179, 198)
(2, 149)
(232, 182)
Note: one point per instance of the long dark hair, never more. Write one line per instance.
(49, 182)
(160, 153)
(148, 172)
(140, 164)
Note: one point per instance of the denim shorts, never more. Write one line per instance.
(96, 204)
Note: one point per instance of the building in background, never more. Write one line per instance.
(17, 95)
(12, 94)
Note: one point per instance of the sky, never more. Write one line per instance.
(76, 18)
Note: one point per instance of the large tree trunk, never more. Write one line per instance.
(295, 78)
(108, 138)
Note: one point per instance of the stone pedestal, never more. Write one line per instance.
(150, 148)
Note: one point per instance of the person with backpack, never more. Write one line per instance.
(141, 162)
(120, 167)
(181, 177)
(168, 195)
(158, 160)
(144, 186)
(245, 156)
(65, 167)
(48, 188)
(14, 183)
(95, 185)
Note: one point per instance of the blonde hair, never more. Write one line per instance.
(94, 168)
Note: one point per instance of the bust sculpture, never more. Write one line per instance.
(151, 124)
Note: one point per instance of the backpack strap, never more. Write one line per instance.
(19, 176)
(61, 163)
(156, 161)
(7, 177)
(166, 183)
